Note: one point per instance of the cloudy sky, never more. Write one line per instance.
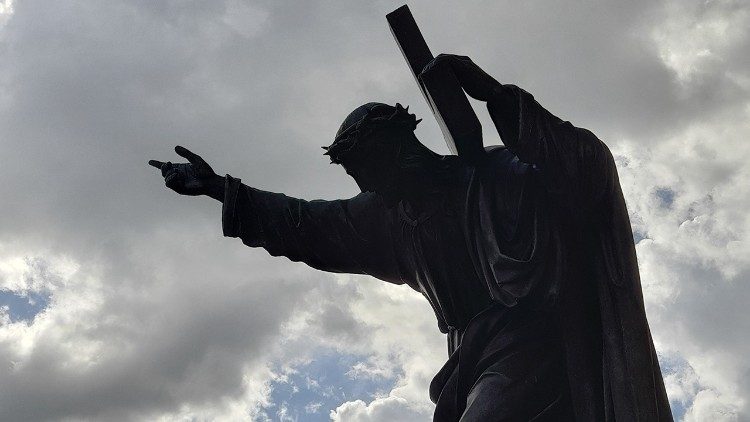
(122, 301)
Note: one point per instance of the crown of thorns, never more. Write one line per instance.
(378, 116)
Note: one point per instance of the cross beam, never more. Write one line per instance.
(460, 125)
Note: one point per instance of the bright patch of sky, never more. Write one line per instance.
(6, 9)
(310, 391)
(666, 195)
(22, 306)
(679, 374)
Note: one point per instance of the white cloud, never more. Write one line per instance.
(694, 262)
(385, 409)
(695, 38)
(710, 406)
(313, 407)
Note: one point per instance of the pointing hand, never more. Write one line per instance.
(195, 177)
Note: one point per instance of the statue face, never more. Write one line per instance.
(375, 172)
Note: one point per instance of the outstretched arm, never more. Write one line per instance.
(345, 236)
(574, 162)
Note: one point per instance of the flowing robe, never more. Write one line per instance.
(527, 259)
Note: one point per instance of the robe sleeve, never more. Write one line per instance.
(576, 166)
(342, 236)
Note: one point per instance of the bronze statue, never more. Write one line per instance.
(526, 254)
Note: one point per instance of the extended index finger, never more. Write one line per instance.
(155, 163)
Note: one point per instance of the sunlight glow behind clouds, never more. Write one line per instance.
(6, 11)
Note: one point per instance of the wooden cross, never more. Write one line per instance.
(460, 125)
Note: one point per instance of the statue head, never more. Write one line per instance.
(377, 147)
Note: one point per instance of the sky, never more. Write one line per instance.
(120, 300)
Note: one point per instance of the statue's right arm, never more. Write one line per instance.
(344, 236)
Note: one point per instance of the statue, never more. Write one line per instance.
(525, 254)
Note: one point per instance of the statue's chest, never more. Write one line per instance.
(434, 249)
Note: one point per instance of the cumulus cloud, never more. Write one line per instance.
(383, 409)
(150, 313)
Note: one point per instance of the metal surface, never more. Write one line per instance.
(441, 89)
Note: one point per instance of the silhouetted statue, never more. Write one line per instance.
(526, 255)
